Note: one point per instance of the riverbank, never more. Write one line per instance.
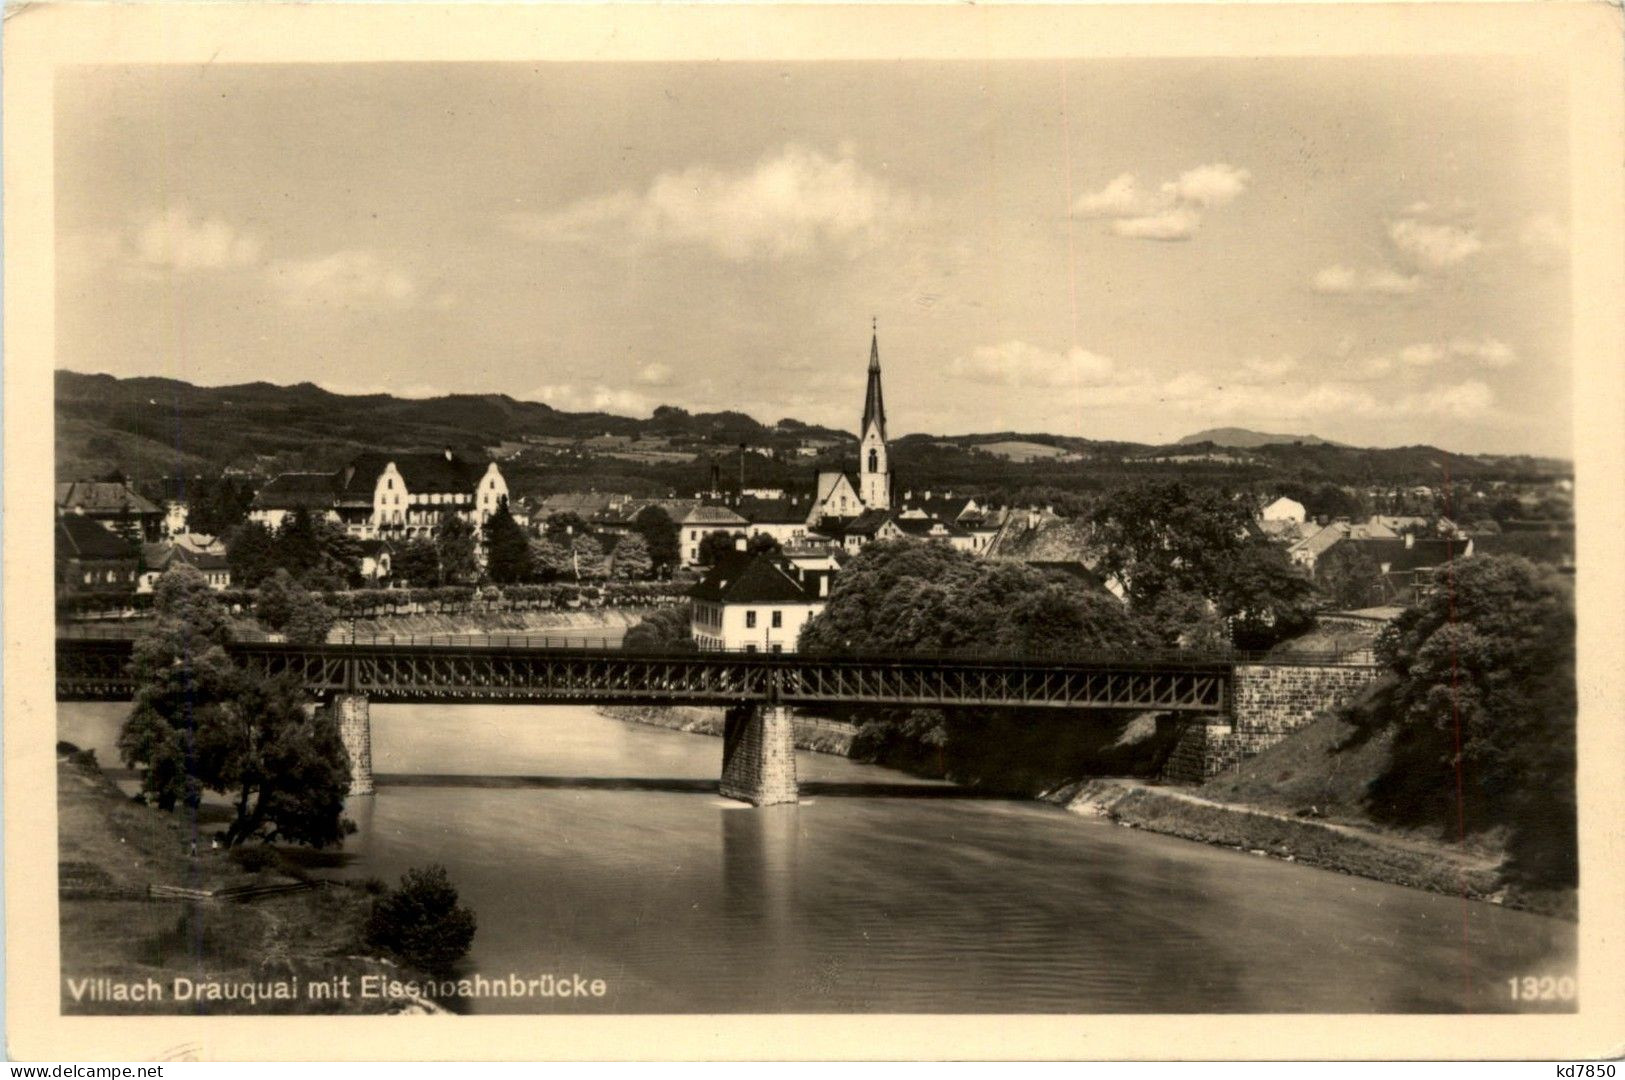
(813, 733)
(1300, 801)
(139, 908)
(1471, 871)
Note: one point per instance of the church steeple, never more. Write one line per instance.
(874, 407)
(874, 470)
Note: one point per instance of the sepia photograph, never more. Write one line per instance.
(959, 534)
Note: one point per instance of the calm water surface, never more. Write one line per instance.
(591, 846)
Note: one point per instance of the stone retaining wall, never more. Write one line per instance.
(1267, 703)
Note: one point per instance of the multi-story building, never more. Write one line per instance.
(755, 603)
(112, 503)
(388, 495)
(91, 558)
(700, 522)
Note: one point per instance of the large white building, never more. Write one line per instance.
(756, 603)
(387, 496)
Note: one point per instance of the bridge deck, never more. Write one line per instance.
(94, 669)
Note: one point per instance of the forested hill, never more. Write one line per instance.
(154, 427)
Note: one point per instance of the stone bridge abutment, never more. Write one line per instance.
(1267, 702)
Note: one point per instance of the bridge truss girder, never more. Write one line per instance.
(92, 669)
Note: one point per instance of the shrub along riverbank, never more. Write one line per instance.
(139, 902)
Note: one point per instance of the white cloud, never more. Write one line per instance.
(1267, 368)
(1199, 396)
(1019, 364)
(654, 374)
(1434, 245)
(1489, 352)
(1340, 280)
(1171, 212)
(178, 239)
(1120, 198)
(572, 398)
(1178, 223)
(1209, 185)
(790, 203)
(1545, 240)
(1484, 352)
(344, 277)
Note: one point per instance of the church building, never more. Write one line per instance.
(839, 496)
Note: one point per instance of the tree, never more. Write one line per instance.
(587, 557)
(908, 596)
(310, 621)
(1349, 577)
(251, 551)
(200, 722)
(1486, 691)
(1169, 536)
(421, 921)
(454, 547)
(507, 549)
(659, 533)
(286, 607)
(630, 560)
(416, 562)
(714, 545)
(550, 559)
(1264, 596)
(183, 678)
(665, 629)
(763, 544)
(568, 523)
(298, 549)
(274, 601)
(285, 767)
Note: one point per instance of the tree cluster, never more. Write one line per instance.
(907, 596)
(1486, 694)
(312, 550)
(201, 722)
(1192, 566)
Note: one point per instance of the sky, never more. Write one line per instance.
(1372, 250)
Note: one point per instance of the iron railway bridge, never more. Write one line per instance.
(89, 669)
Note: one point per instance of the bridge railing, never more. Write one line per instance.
(589, 643)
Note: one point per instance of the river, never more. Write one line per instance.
(599, 848)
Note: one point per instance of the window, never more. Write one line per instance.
(750, 648)
(390, 483)
(750, 620)
(874, 460)
(778, 648)
(778, 619)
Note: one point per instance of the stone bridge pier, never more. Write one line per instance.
(353, 712)
(758, 754)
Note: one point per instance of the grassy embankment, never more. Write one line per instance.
(112, 851)
(1309, 799)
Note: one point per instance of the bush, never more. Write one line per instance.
(421, 922)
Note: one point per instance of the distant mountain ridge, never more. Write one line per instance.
(148, 427)
(1247, 439)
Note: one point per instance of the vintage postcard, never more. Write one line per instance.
(813, 532)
